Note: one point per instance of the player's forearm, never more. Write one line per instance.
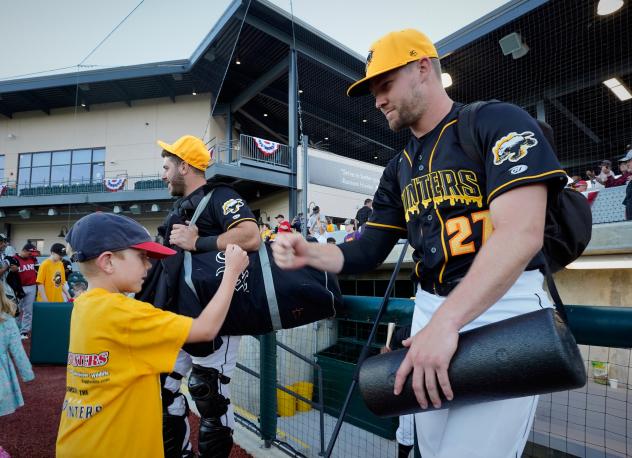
(495, 269)
(325, 257)
(207, 325)
(245, 235)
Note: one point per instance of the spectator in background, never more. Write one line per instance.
(352, 234)
(297, 222)
(51, 277)
(363, 215)
(628, 201)
(6, 266)
(592, 181)
(625, 165)
(580, 185)
(279, 219)
(606, 172)
(78, 289)
(265, 231)
(316, 217)
(11, 352)
(28, 279)
(283, 227)
(330, 225)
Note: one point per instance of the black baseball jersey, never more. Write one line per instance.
(225, 210)
(440, 197)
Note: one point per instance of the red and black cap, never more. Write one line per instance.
(100, 232)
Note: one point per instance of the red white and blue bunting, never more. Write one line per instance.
(3, 189)
(114, 184)
(267, 147)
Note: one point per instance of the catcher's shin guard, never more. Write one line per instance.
(216, 440)
(175, 424)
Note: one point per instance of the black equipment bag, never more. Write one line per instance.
(529, 354)
(266, 298)
(568, 217)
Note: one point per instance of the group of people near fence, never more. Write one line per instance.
(468, 278)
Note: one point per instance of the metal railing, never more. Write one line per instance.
(252, 149)
(83, 186)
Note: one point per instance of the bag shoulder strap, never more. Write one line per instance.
(188, 261)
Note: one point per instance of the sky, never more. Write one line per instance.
(40, 37)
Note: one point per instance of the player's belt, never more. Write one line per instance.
(439, 289)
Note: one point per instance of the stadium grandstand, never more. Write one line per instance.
(266, 93)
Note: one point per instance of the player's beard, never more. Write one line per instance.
(177, 185)
(410, 110)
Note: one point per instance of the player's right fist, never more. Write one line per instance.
(236, 259)
(290, 251)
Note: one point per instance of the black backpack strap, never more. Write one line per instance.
(466, 130)
(555, 295)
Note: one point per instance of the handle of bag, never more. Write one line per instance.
(188, 261)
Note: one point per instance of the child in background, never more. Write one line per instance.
(11, 346)
(51, 277)
(119, 345)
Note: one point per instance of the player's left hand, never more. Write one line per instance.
(184, 236)
(429, 354)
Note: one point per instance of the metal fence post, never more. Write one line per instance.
(267, 388)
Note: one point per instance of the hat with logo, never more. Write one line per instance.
(58, 248)
(606, 162)
(627, 157)
(284, 226)
(190, 149)
(393, 50)
(100, 232)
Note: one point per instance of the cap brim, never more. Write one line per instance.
(154, 250)
(167, 147)
(361, 87)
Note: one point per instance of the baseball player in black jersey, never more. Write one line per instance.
(226, 219)
(475, 231)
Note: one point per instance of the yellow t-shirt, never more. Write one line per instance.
(118, 347)
(52, 275)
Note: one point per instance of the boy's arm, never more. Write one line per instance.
(42, 292)
(207, 325)
(66, 291)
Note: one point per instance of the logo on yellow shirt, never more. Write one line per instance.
(88, 360)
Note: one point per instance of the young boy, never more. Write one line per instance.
(119, 346)
(51, 277)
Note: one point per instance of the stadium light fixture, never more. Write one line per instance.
(237, 61)
(117, 209)
(605, 7)
(135, 209)
(24, 213)
(446, 80)
(52, 212)
(2, 214)
(513, 44)
(618, 89)
(155, 207)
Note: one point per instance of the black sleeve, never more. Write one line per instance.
(388, 209)
(365, 254)
(516, 151)
(228, 209)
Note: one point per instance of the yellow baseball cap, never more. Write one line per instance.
(191, 150)
(390, 52)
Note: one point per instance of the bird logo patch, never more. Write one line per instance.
(513, 147)
(232, 206)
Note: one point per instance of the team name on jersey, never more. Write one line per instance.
(441, 186)
(88, 360)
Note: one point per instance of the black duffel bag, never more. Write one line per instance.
(266, 298)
